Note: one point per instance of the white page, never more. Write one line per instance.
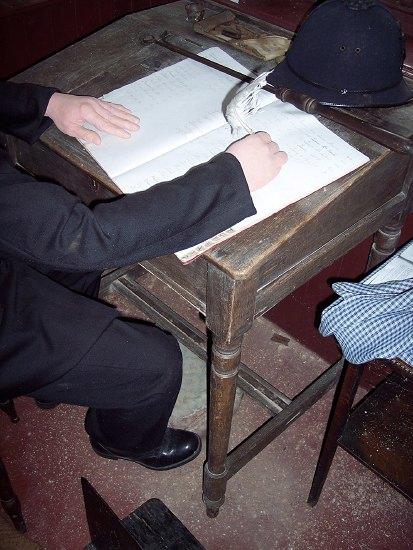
(397, 269)
(176, 104)
(407, 253)
(316, 157)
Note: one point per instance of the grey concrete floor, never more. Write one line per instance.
(265, 508)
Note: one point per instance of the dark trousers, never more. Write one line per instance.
(130, 379)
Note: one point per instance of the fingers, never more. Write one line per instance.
(274, 148)
(110, 128)
(91, 116)
(118, 110)
(114, 106)
(264, 136)
(86, 135)
(103, 119)
(282, 157)
(131, 124)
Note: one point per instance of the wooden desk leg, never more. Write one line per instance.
(385, 242)
(387, 237)
(223, 383)
(230, 312)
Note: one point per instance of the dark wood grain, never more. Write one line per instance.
(378, 431)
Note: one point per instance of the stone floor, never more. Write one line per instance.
(48, 451)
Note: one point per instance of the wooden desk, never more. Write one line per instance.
(247, 275)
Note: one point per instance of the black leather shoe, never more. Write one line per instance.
(178, 447)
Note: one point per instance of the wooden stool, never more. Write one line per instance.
(151, 526)
(378, 431)
(8, 498)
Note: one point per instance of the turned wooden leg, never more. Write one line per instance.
(340, 411)
(387, 237)
(9, 408)
(223, 380)
(230, 312)
(385, 242)
(9, 500)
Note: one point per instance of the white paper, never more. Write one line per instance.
(316, 157)
(182, 125)
(176, 104)
(398, 268)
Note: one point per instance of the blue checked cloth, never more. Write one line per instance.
(372, 321)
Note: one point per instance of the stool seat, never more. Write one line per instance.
(378, 431)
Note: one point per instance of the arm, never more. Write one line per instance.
(42, 224)
(22, 109)
(27, 110)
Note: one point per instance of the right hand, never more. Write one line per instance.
(260, 158)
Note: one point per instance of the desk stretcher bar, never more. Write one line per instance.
(283, 410)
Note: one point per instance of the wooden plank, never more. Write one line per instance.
(194, 339)
(271, 429)
(170, 533)
(294, 231)
(379, 433)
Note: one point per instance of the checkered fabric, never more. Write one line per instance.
(372, 321)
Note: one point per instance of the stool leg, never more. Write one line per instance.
(340, 410)
(9, 408)
(9, 500)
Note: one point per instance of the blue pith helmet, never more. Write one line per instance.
(347, 53)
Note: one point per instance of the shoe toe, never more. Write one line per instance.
(179, 447)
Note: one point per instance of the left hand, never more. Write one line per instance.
(70, 112)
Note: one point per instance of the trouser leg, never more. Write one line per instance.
(130, 379)
(84, 283)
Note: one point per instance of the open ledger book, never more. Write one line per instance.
(182, 124)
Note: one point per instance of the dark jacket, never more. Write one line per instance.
(45, 328)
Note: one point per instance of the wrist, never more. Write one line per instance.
(52, 105)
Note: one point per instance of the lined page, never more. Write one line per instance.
(176, 105)
(182, 125)
(316, 157)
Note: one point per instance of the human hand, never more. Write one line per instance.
(71, 112)
(260, 158)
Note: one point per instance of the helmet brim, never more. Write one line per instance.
(283, 76)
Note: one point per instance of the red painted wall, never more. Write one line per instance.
(33, 29)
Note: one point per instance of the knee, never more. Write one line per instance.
(175, 365)
(168, 358)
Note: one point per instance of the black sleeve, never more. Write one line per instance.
(22, 108)
(44, 224)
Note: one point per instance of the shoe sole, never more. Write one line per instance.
(112, 456)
